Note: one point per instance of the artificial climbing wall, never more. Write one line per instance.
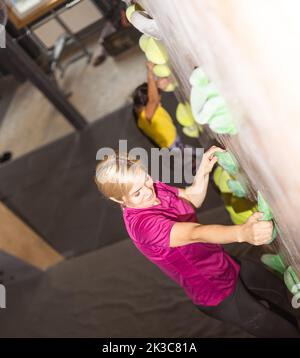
(251, 51)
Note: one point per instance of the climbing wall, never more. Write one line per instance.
(251, 51)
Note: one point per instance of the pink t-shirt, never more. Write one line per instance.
(205, 271)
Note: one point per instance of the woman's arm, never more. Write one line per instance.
(153, 94)
(254, 232)
(196, 193)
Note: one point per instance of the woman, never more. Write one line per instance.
(152, 119)
(162, 223)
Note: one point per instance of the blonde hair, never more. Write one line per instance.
(116, 175)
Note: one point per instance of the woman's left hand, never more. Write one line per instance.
(150, 66)
(209, 160)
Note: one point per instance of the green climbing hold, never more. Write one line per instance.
(274, 262)
(227, 161)
(211, 91)
(263, 207)
(291, 280)
(222, 123)
(197, 99)
(199, 78)
(275, 231)
(202, 90)
(208, 106)
(211, 107)
(236, 188)
(215, 112)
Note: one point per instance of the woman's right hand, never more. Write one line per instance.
(255, 231)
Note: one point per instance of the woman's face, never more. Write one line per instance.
(142, 195)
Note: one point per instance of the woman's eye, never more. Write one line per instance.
(137, 194)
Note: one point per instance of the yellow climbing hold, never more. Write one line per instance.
(192, 132)
(184, 115)
(170, 88)
(216, 176)
(162, 70)
(129, 11)
(143, 41)
(240, 209)
(223, 186)
(156, 52)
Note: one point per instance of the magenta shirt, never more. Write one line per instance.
(205, 271)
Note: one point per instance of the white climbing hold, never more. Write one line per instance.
(145, 24)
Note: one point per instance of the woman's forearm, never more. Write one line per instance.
(218, 234)
(153, 94)
(254, 231)
(153, 97)
(197, 191)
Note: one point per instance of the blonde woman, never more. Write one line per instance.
(162, 223)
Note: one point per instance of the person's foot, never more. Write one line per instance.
(99, 60)
(6, 156)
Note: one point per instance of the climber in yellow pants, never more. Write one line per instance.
(152, 119)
